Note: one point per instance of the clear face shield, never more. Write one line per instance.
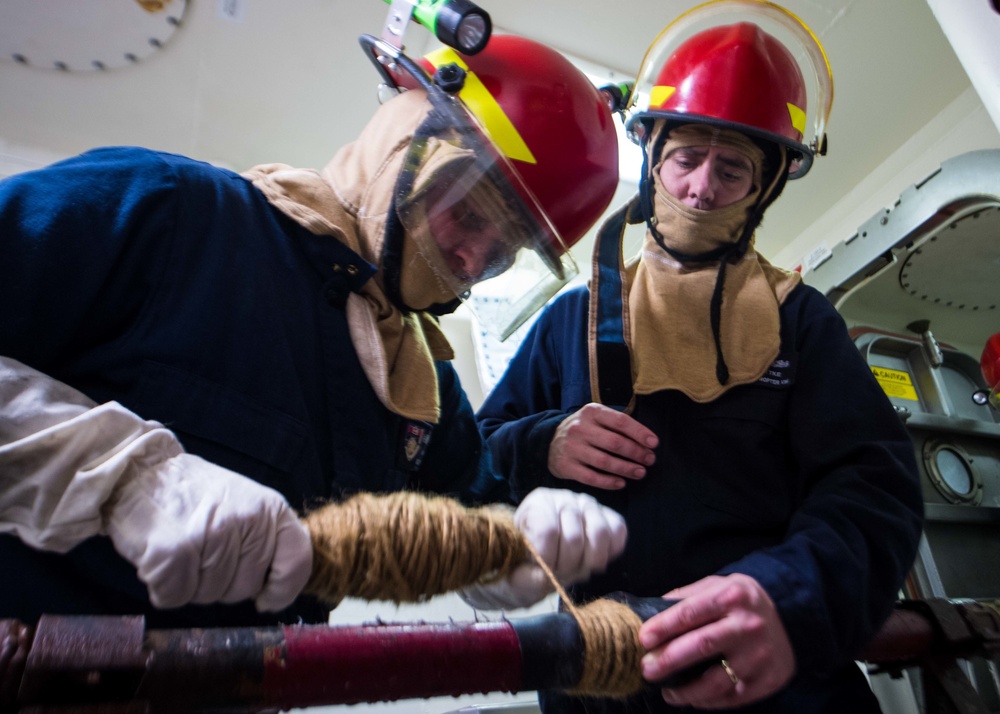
(474, 231)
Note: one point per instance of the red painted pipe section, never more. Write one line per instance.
(116, 665)
(905, 637)
(348, 665)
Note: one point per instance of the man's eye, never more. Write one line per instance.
(469, 220)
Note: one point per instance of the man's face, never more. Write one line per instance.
(707, 177)
(473, 247)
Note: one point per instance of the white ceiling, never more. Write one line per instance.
(242, 82)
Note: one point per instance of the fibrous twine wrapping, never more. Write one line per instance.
(407, 547)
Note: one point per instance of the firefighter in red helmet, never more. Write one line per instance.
(715, 401)
(189, 357)
(496, 139)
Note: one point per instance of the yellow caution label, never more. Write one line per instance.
(895, 383)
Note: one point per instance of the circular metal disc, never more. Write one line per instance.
(95, 35)
(959, 268)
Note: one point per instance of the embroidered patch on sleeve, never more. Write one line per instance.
(416, 435)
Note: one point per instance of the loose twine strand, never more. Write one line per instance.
(407, 547)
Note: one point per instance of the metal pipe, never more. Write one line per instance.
(114, 661)
(115, 664)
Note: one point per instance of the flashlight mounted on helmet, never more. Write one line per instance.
(618, 97)
(460, 24)
(454, 22)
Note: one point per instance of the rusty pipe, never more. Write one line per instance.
(112, 661)
(114, 665)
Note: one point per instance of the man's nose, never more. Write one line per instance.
(469, 259)
(701, 184)
(481, 256)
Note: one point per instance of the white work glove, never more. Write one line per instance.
(198, 533)
(71, 469)
(575, 536)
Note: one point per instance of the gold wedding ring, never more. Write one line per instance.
(729, 670)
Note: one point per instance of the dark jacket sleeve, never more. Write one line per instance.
(854, 535)
(64, 234)
(542, 385)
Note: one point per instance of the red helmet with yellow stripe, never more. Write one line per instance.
(747, 65)
(551, 123)
(522, 121)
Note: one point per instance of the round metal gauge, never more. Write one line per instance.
(952, 472)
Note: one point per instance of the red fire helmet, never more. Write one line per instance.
(747, 65)
(543, 135)
(550, 123)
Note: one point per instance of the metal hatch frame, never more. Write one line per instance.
(961, 185)
(870, 278)
(907, 263)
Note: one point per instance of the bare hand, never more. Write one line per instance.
(729, 617)
(601, 447)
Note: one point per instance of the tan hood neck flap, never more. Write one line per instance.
(667, 320)
(671, 340)
(350, 201)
